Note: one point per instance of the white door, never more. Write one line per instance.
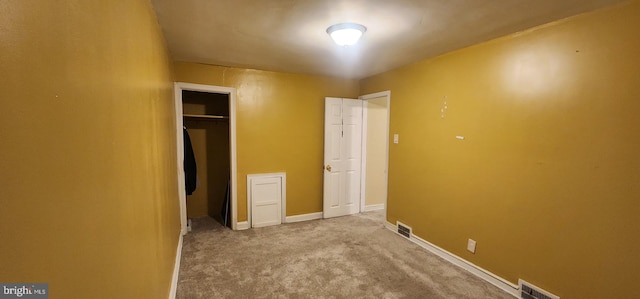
(265, 194)
(342, 156)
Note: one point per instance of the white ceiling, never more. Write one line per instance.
(290, 35)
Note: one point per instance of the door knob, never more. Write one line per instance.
(328, 168)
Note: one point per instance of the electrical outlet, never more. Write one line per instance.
(471, 246)
(395, 138)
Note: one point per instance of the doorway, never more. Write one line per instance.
(206, 120)
(375, 151)
(356, 154)
(208, 114)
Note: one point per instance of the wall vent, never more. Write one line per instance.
(529, 291)
(403, 229)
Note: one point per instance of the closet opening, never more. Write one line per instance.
(206, 118)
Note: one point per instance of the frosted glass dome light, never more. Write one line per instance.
(346, 34)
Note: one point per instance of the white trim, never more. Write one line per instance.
(178, 88)
(284, 197)
(363, 156)
(234, 158)
(248, 202)
(489, 277)
(176, 270)
(243, 225)
(386, 93)
(365, 98)
(283, 204)
(182, 196)
(303, 217)
(377, 207)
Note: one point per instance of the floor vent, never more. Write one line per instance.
(529, 291)
(403, 229)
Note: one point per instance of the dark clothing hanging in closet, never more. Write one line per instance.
(190, 171)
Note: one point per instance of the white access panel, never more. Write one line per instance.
(266, 192)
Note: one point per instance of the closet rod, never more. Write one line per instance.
(205, 116)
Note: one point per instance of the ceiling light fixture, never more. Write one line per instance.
(346, 34)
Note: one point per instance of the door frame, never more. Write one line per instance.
(365, 98)
(182, 197)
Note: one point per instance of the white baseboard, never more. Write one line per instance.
(243, 225)
(377, 207)
(303, 217)
(491, 278)
(176, 270)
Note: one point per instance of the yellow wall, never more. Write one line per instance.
(218, 166)
(547, 180)
(197, 202)
(280, 126)
(376, 160)
(87, 166)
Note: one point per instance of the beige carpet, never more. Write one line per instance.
(345, 257)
